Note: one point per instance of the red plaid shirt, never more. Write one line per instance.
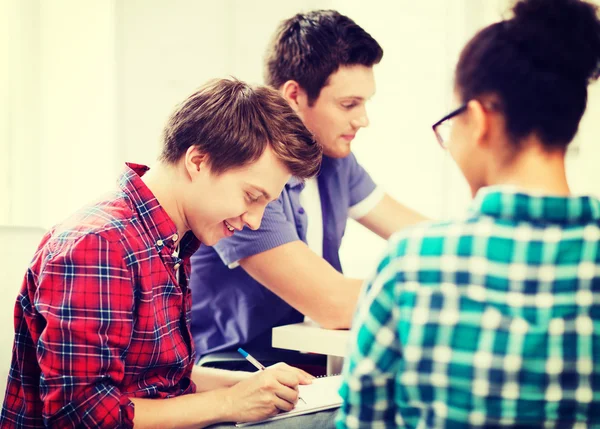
(101, 317)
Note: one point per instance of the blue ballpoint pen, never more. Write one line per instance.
(251, 359)
(257, 364)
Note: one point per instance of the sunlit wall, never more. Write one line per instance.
(87, 86)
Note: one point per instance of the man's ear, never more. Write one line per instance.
(479, 123)
(195, 161)
(294, 95)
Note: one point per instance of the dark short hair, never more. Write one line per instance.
(233, 122)
(308, 48)
(539, 64)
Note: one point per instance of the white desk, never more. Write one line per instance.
(309, 337)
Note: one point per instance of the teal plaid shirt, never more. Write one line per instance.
(490, 321)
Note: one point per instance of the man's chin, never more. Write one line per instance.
(338, 153)
(210, 241)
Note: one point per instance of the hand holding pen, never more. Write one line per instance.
(264, 394)
(258, 365)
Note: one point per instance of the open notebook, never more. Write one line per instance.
(322, 394)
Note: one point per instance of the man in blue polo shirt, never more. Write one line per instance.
(322, 63)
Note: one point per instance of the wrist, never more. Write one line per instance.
(225, 397)
(224, 410)
(241, 376)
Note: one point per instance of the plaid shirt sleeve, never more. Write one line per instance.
(369, 372)
(85, 295)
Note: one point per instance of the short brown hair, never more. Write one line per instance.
(233, 122)
(309, 47)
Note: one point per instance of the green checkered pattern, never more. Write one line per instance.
(490, 321)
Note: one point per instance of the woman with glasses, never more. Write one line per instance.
(494, 320)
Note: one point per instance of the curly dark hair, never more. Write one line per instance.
(539, 64)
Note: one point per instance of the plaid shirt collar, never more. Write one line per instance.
(155, 219)
(512, 204)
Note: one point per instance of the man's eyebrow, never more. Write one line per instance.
(355, 97)
(351, 97)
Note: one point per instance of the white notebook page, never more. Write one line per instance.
(322, 394)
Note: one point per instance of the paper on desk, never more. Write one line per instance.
(321, 395)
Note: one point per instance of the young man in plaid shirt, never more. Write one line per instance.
(494, 320)
(102, 321)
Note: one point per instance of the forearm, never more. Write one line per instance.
(207, 379)
(192, 411)
(260, 395)
(306, 282)
(337, 309)
(389, 216)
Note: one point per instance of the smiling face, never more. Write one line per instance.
(214, 206)
(340, 110)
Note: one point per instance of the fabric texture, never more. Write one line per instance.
(489, 321)
(230, 308)
(101, 317)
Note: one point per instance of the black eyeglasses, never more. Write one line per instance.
(443, 127)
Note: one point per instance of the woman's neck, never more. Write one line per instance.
(535, 170)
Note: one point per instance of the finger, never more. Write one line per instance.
(305, 377)
(286, 393)
(283, 405)
(285, 367)
(279, 365)
(264, 411)
(288, 378)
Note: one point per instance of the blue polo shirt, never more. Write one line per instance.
(229, 307)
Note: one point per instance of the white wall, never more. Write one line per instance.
(59, 146)
(79, 150)
(89, 85)
(166, 49)
(6, 16)
(19, 113)
(422, 42)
